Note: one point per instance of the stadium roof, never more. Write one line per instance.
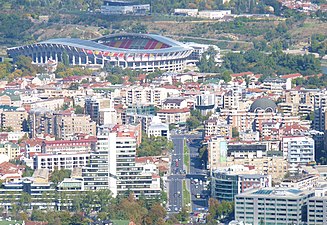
(94, 45)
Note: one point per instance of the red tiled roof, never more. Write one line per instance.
(34, 142)
(9, 168)
(241, 74)
(291, 76)
(68, 142)
(145, 159)
(184, 110)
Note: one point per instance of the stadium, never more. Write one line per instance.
(147, 52)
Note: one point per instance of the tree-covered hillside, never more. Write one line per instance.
(158, 6)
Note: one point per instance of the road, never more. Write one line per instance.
(199, 194)
(175, 198)
(175, 195)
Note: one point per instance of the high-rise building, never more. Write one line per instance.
(272, 206)
(230, 181)
(317, 207)
(67, 124)
(112, 166)
(217, 152)
(16, 120)
(298, 150)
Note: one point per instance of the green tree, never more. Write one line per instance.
(65, 59)
(193, 122)
(59, 175)
(24, 202)
(79, 109)
(139, 28)
(74, 86)
(235, 133)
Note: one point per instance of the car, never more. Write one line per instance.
(176, 209)
(196, 186)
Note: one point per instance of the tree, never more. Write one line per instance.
(28, 172)
(79, 109)
(65, 59)
(24, 202)
(193, 122)
(59, 175)
(153, 146)
(235, 133)
(38, 215)
(74, 86)
(139, 28)
(183, 215)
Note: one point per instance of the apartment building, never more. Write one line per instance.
(231, 99)
(93, 105)
(86, 144)
(41, 121)
(10, 149)
(216, 126)
(272, 206)
(174, 116)
(275, 166)
(227, 182)
(174, 103)
(50, 104)
(60, 161)
(145, 95)
(10, 193)
(112, 166)
(247, 150)
(67, 124)
(63, 124)
(298, 150)
(217, 152)
(304, 182)
(17, 120)
(158, 129)
(317, 207)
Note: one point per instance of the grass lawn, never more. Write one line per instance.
(186, 197)
(186, 157)
(12, 222)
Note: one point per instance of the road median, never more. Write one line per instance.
(186, 157)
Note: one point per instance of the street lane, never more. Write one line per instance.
(198, 176)
(197, 171)
(175, 198)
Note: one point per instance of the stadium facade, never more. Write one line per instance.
(147, 52)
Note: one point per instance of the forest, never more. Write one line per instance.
(276, 63)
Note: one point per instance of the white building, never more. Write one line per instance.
(298, 150)
(107, 116)
(58, 161)
(272, 206)
(158, 129)
(303, 183)
(214, 14)
(217, 152)
(317, 207)
(121, 7)
(112, 166)
(226, 182)
(186, 12)
(205, 103)
(200, 49)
